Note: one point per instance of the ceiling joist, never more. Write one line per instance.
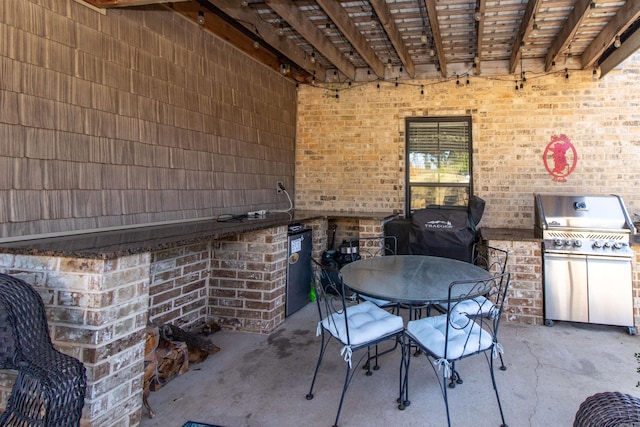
(389, 25)
(525, 26)
(479, 18)
(626, 16)
(307, 29)
(250, 20)
(334, 40)
(628, 48)
(351, 32)
(107, 4)
(432, 14)
(571, 25)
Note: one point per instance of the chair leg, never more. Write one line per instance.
(446, 398)
(344, 391)
(495, 388)
(502, 366)
(376, 356)
(367, 365)
(323, 347)
(455, 376)
(403, 398)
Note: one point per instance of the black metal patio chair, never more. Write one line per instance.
(371, 247)
(355, 326)
(458, 334)
(493, 260)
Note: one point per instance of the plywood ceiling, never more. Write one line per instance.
(362, 40)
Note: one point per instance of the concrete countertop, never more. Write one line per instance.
(116, 243)
(510, 234)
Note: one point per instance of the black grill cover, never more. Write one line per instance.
(443, 232)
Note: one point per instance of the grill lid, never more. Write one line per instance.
(558, 211)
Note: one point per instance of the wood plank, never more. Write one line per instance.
(390, 27)
(104, 4)
(626, 16)
(525, 25)
(250, 20)
(432, 14)
(307, 29)
(628, 48)
(346, 25)
(570, 27)
(482, 8)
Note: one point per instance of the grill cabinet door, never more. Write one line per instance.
(610, 291)
(565, 287)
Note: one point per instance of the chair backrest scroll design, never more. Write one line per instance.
(330, 296)
(473, 320)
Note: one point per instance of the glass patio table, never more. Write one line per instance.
(410, 280)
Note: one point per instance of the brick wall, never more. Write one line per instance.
(134, 116)
(248, 280)
(97, 312)
(178, 290)
(350, 151)
(524, 300)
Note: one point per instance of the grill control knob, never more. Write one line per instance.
(557, 242)
(577, 244)
(617, 245)
(607, 244)
(597, 244)
(568, 243)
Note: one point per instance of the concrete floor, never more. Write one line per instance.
(263, 380)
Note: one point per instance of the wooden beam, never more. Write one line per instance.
(390, 27)
(626, 16)
(432, 14)
(307, 29)
(567, 32)
(223, 29)
(251, 21)
(106, 4)
(525, 25)
(345, 24)
(482, 8)
(628, 48)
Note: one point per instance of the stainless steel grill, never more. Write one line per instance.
(587, 258)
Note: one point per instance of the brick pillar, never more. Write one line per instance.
(370, 228)
(178, 289)
(524, 300)
(248, 280)
(97, 312)
(319, 235)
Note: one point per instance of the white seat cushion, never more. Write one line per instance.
(376, 301)
(465, 338)
(367, 322)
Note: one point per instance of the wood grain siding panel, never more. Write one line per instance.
(103, 100)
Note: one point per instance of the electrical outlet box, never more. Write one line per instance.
(279, 187)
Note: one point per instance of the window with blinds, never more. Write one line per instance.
(438, 162)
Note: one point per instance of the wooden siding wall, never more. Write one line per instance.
(133, 116)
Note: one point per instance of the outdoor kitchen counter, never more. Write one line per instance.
(508, 234)
(116, 243)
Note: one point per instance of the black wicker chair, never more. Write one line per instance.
(608, 409)
(50, 386)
